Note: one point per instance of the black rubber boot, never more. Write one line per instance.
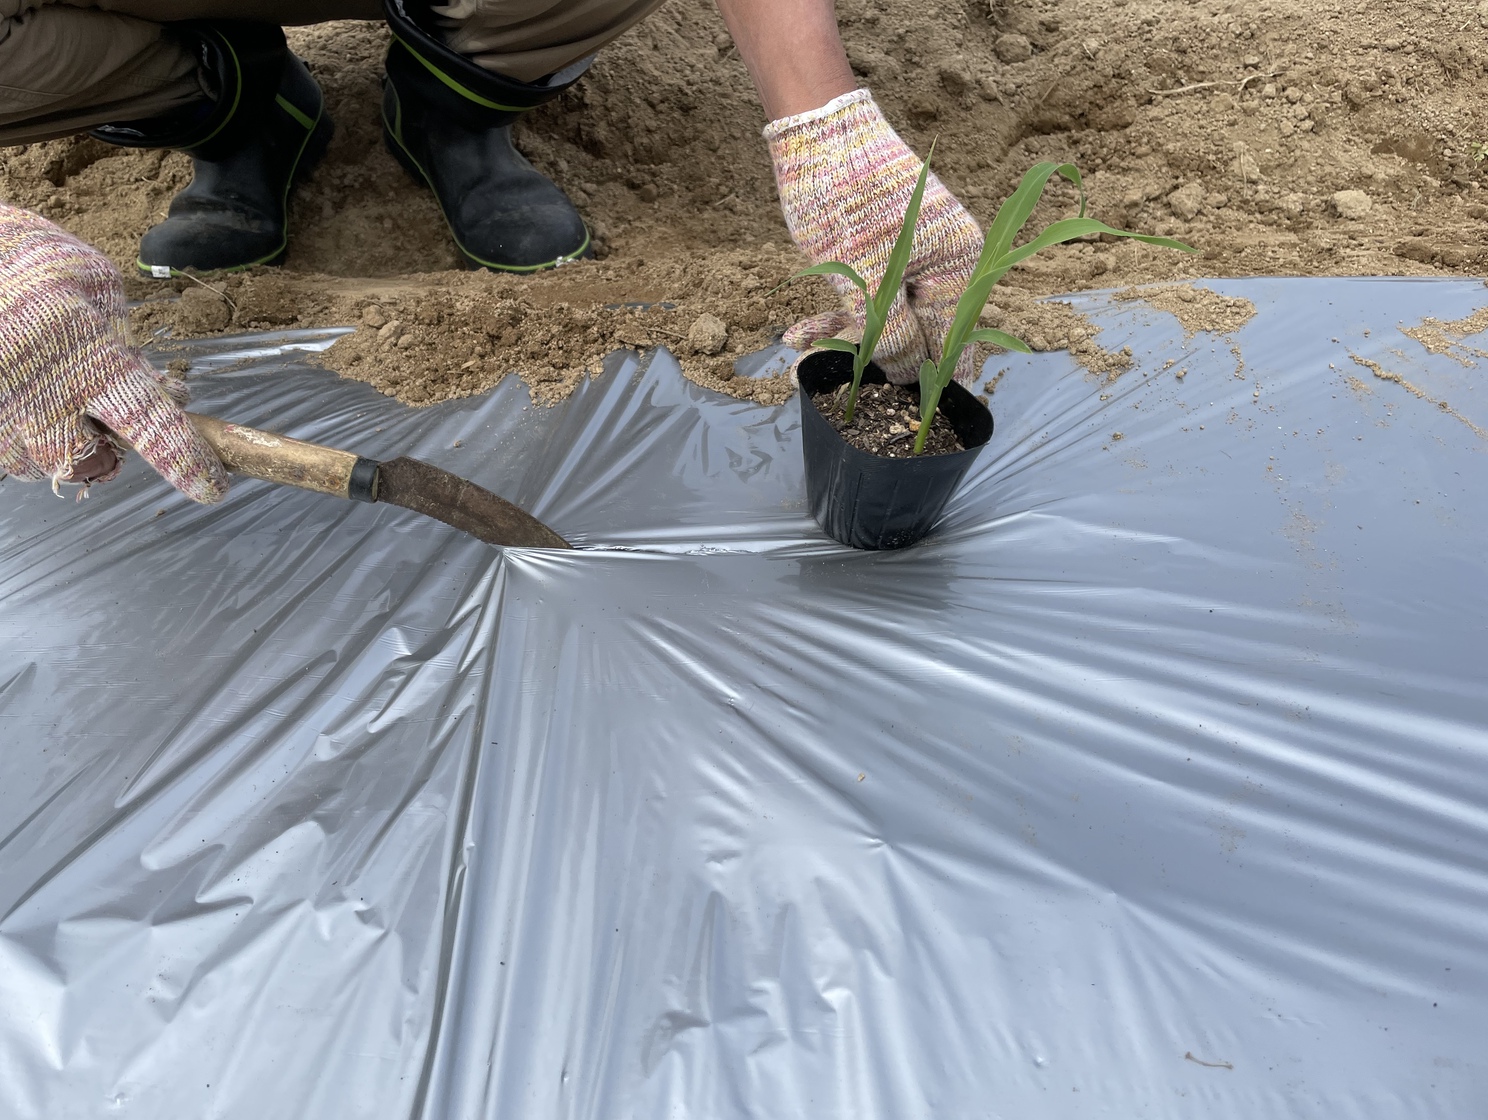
(448, 122)
(260, 128)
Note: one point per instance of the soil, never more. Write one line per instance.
(1196, 308)
(1447, 338)
(1278, 137)
(885, 421)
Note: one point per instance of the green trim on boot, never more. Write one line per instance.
(469, 95)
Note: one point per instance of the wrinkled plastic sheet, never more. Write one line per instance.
(1155, 783)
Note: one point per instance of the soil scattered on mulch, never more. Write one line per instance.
(1447, 338)
(885, 421)
(1196, 308)
(1416, 391)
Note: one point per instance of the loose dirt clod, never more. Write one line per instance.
(708, 334)
(202, 311)
(1352, 205)
(1187, 201)
(660, 148)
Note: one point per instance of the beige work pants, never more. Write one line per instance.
(68, 65)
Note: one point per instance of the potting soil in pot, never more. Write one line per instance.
(885, 422)
(1154, 783)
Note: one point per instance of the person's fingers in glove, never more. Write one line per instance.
(829, 324)
(845, 180)
(933, 300)
(141, 406)
(69, 375)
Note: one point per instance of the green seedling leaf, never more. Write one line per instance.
(1069, 229)
(969, 306)
(876, 306)
(1013, 214)
(991, 266)
(997, 257)
(1072, 173)
(893, 276)
(1000, 338)
(930, 390)
(963, 323)
(876, 312)
(836, 344)
(832, 268)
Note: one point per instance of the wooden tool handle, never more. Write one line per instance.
(276, 458)
(408, 483)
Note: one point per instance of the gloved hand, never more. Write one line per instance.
(65, 357)
(845, 179)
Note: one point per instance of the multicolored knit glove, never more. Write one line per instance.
(845, 179)
(66, 362)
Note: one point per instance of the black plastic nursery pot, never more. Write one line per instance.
(865, 500)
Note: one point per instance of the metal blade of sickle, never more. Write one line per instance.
(424, 488)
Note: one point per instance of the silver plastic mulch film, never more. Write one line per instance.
(1155, 783)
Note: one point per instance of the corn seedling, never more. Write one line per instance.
(877, 302)
(997, 258)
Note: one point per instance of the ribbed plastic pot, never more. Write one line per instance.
(871, 501)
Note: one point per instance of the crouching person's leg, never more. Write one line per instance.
(65, 69)
(213, 78)
(257, 126)
(458, 76)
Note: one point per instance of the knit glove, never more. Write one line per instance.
(845, 180)
(66, 362)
